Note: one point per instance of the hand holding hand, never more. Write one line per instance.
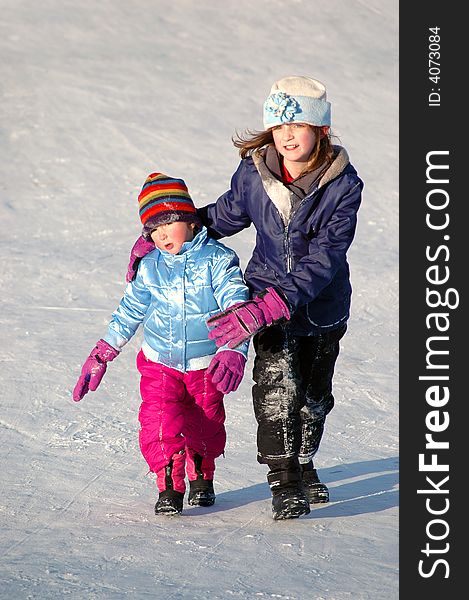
(239, 322)
(93, 369)
(227, 370)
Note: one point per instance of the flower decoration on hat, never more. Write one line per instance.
(283, 106)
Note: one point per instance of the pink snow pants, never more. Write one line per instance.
(178, 411)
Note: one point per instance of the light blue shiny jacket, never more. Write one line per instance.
(173, 295)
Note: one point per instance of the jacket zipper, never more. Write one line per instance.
(287, 248)
(286, 232)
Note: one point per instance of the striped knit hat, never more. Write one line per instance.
(164, 199)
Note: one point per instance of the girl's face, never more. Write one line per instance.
(294, 141)
(171, 237)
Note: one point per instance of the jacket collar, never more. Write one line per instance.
(187, 248)
(280, 195)
(341, 160)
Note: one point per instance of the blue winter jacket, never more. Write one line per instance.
(173, 295)
(301, 251)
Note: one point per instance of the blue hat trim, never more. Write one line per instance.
(281, 108)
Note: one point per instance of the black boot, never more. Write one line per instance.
(201, 492)
(316, 491)
(169, 501)
(288, 497)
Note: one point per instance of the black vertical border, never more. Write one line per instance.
(433, 127)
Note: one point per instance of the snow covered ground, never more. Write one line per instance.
(95, 95)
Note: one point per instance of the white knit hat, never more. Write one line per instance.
(297, 100)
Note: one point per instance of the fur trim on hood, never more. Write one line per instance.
(280, 195)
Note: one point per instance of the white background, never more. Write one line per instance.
(94, 96)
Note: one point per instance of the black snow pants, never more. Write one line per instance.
(292, 393)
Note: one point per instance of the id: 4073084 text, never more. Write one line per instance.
(434, 55)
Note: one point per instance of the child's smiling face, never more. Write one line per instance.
(294, 141)
(171, 237)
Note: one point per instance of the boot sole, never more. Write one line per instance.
(167, 510)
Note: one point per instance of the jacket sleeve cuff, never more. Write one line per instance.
(241, 349)
(115, 340)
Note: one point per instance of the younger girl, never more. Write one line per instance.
(302, 195)
(186, 279)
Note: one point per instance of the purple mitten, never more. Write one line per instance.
(239, 322)
(227, 370)
(94, 368)
(139, 250)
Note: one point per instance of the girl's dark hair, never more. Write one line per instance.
(251, 141)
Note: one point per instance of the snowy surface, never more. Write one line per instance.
(95, 95)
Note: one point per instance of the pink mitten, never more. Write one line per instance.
(239, 322)
(94, 368)
(227, 370)
(139, 250)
